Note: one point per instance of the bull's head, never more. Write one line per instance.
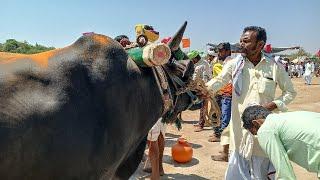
(180, 71)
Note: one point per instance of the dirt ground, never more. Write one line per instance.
(201, 166)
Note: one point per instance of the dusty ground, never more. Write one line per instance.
(201, 166)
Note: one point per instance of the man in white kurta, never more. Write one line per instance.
(254, 82)
(201, 71)
(308, 73)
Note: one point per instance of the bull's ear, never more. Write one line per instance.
(189, 69)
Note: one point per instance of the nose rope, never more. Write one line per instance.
(198, 85)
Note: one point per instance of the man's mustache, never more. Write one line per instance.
(242, 49)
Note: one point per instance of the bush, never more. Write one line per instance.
(14, 46)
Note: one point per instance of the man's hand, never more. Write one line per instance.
(270, 106)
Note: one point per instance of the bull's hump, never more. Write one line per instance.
(101, 39)
(104, 42)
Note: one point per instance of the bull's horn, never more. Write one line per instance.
(176, 39)
(235, 47)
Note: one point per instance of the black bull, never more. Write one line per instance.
(81, 112)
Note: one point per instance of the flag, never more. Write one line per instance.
(185, 42)
(166, 40)
(318, 53)
(268, 48)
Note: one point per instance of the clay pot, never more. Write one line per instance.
(182, 151)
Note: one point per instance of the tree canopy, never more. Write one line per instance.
(14, 46)
(300, 53)
(303, 53)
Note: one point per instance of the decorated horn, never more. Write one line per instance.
(176, 39)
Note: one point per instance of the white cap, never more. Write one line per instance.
(211, 52)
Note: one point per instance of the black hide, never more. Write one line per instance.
(84, 116)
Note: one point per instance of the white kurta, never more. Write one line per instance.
(258, 87)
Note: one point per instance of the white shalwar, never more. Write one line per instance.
(238, 165)
(308, 73)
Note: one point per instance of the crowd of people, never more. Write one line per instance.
(257, 144)
(306, 69)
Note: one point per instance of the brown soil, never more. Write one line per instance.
(201, 166)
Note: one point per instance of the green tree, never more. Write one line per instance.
(10, 45)
(300, 53)
(14, 46)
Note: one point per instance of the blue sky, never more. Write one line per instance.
(60, 22)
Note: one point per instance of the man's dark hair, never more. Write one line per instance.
(198, 57)
(261, 32)
(120, 37)
(252, 113)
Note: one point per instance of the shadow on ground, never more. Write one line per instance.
(172, 176)
(171, 136)
(168, 160)
(183, 176)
